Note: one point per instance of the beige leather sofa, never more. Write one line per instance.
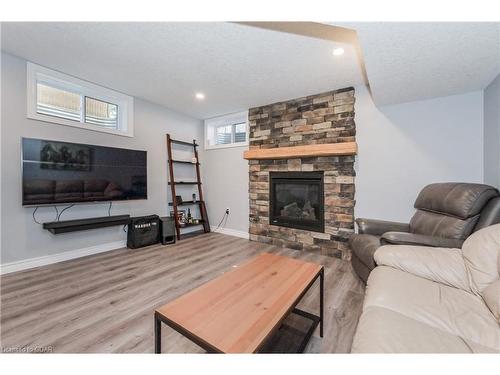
(433, 300)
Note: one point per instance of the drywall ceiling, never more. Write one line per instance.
(413, 61)
(236, 66)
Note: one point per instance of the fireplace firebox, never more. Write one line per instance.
(296, 200)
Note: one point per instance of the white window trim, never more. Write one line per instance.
(212, 123)
(125, 103)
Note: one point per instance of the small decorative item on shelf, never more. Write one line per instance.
(193, 160)
(196, 221)
(194, 197)
(189, 219)
(178, 199)
(181, 217)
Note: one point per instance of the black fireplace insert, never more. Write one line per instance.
(296, 200)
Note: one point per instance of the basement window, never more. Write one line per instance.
(226, 131)
(65, 100)
(228, 134)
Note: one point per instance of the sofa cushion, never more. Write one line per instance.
(381, 330)
(462, 200)
(442, 265)
(491, 296)
(439, 225)
(481, 252)
(441, 307)
(364, 247)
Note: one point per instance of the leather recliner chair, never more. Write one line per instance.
(447, 213)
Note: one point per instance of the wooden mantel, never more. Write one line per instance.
(327, 149)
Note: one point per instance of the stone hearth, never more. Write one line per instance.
(318, 119)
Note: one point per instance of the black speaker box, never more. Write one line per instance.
(143, 231)
(167, 234)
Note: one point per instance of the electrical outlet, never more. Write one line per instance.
(227, 211)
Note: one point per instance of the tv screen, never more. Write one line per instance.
(60, 172)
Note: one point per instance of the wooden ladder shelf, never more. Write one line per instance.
(173, 184)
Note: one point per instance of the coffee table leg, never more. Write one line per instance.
(157, 335)
(321, 302)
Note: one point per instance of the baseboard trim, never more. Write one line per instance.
(59, 257)
(231, 232)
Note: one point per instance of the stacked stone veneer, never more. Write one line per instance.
(322, 118)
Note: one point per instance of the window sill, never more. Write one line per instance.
(232, 145)
(75, 124)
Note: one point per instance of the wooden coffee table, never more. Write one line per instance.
(238, 311)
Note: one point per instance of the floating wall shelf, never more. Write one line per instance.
(58, 227)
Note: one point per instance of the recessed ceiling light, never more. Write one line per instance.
(338, 51)
(199, 96)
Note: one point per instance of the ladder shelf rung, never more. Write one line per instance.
(184, 162)
(183, 143)
(186, 203)
(185, 183)
(185, 225)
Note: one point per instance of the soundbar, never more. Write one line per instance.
(58, 227)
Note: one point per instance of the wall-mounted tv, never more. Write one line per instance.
(61, 172)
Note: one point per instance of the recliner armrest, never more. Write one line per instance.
(443, 265)
(399, 238)
(379, 227)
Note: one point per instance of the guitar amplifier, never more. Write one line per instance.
(143, 231)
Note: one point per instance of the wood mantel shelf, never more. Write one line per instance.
(328, 149)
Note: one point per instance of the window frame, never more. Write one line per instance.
(125, 103)
(233, 119)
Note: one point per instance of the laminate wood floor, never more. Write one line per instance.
(104, 303)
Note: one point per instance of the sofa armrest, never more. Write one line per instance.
(379, 227)
(399, 238)
(442, 265)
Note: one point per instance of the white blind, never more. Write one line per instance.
(223, 135)
(56, 102)
(240, 132)
(100, 113)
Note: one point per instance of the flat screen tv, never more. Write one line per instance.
(61, 172)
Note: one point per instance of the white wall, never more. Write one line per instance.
(406, 146)
(492, 133)
(401, 148)
(226, 186)
(21, 237)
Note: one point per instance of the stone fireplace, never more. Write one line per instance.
(301, 161)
